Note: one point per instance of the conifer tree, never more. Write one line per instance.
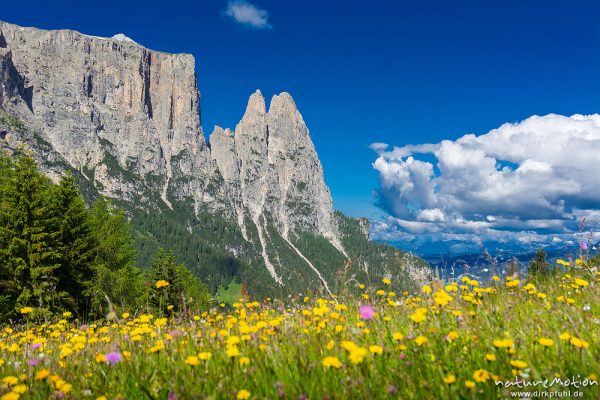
(75, 242)
(28, 238)
(539, 266)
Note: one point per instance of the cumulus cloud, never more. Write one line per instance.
(247, 14)
(525, 182)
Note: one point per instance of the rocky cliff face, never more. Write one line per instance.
(128, 120)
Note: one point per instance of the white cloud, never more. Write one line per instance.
(523, 182)
(247, 14)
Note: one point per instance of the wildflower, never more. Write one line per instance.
(361, 286)
(113, 358)
(33, 362)
(10, 380)
(449, 379)
(386, 281)
(579, 343)
(26, 310)
(513, 283)
(376, 349)
(381, 292)
(192, 360)
(205, 356)
(481, 375)
(452, 335)
(125, 315)
(244, 361)
(546, 342)
(495, 278)
(581, 282)
(469, 384)
(358, 354)
(42, 374)
(583, 246)
(490, 357)
(232, 352)
(20, 389)
(366, 312)
(332, 362)
(397, 336)
(565, 336)
(421, 340)
(161, 283)
(243, 395)
(10, 396)
(518, 364)
(419, 315)
(503, 343)
(100, 358)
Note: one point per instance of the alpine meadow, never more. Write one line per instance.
(142, 257)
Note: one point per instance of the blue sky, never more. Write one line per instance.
(396, 72)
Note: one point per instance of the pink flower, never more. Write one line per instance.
(113, 357)
(583, 246)
(366, 312)
(33, 362)
(35, 346)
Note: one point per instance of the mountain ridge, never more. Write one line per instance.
(127, 120)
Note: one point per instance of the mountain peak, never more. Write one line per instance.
(122, 38)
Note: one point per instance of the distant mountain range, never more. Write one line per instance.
(249, 205)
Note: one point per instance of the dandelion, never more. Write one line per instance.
(205, 355)
(244, 361)
(386, 281)
(192, 360)
(332, 362)
(481, 375)
(42, 374)
(490, 357)
(503, 343)
(449, 379)
(243, 395)
(397, 336)
(469, 384)
(26, 310)
(518, 364)
(10, 380)
(232, 352)
(376, 349)
(161, 283)
(426, 289)
(113, 358)
(579, 343)
(366, 312)
(421, 340)
(546, 342)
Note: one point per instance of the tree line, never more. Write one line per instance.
(57, 254)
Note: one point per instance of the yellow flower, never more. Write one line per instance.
(490, 357)
(42, 374)
(101, 398)
(125, 315)
(419, 315)
(481, 375)
(67, 314)
(332, 362)
(381, 292)
(426, 289)
(513, 283)
(170, 307)
(26, 310)
(386, 281)
(449, 379)
(421, 340)
(192, 360)
(10, 380)
(518, 364)
(397, 336)
(243, 395)
(10, 396)
(161, 283)
(205, 356)
(546, 342)
(376, 349)
(565, 336)
(358, 355)
(503, 343)
(469, 384)
(495, 278)
(244, 361)
(452, 335)
(579, 343)
(232, 351)
(361, 286)
(100, 358)
(581, 282)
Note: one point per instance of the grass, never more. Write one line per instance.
(450, 341)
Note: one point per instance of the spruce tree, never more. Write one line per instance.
(75, 242)
(116, 279)
(539, 266)
(28, 238)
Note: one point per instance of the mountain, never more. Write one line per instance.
(250, 205)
